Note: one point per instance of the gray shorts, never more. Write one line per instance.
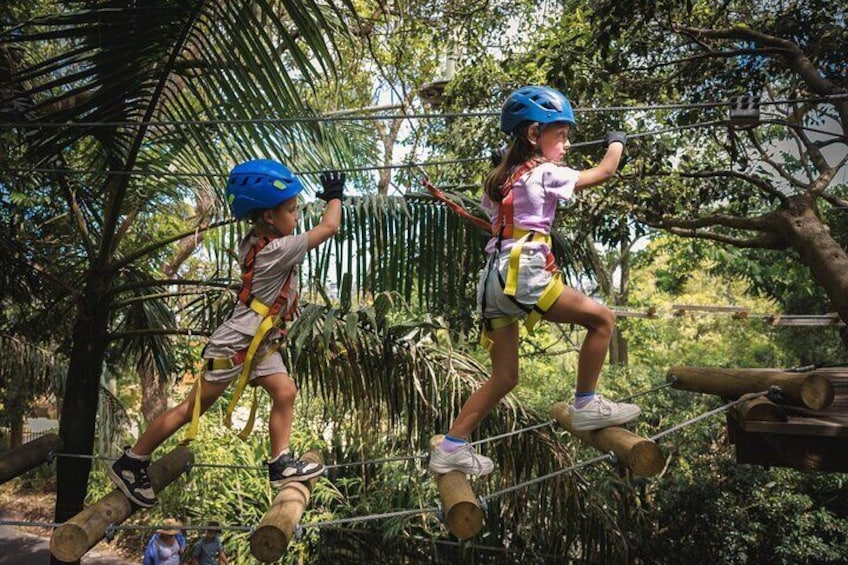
(264, 364)
(533, 279)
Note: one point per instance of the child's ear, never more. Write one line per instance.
(533, 134)
(267, 217)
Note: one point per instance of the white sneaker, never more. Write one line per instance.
(464, 459)
(602, 413)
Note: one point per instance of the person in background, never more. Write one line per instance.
(166, 546)
(208, 550)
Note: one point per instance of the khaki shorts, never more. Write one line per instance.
(263, 365)
(533, 279)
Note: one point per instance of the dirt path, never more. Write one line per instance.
(21, 548)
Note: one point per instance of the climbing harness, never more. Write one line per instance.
(503, 227)
(247, 357)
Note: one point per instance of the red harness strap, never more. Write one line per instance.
(245, 294)
(440, 196)
(503, 223)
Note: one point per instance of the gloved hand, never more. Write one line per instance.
(497, 155)
(615, 136)
(333, 183)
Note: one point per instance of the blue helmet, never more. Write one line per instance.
(260, 184)
(535, 104)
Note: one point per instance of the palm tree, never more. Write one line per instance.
(103, 72)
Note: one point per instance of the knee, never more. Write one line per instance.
(606, 322)
(505, 382)
(184, 410)
(286, 392)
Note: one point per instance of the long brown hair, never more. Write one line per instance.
(519, 151)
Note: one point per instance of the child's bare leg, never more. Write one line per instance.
(504, 377)
(173, 419)
(283, 392)
(573, 307)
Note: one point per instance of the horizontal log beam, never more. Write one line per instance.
(640, 455)
(75, 537)
(276, 529)
(27, 456)
(761, 409)
(811, 390)
(463, 515)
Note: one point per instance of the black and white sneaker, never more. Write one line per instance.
(286, 469)
(130, 475)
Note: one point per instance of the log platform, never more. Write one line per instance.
(795, 437)
(462, 512)
(640, 455)
(277, 527)
(28, 456)
(75, 537)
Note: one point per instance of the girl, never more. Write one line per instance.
(521, 280)
(245, 345)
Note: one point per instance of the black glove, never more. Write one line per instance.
(613, 136)
(333, 183)
(497, 155)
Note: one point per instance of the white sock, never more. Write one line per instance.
(283, 452)
(132, 455)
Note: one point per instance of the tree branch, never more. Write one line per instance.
(759, 223)
(777, 167)
(71, 198)
(759, 183)
(708, 55)
(167, 282)
(159, 244)
(762, 241)
(795, 58)
(157, 331)
(821, 183)
(835, 200)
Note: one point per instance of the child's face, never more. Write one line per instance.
(284, 216)
(553, 142)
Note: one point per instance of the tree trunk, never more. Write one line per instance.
(154, 392)
(619, 354)
(16, 430)
(800, 224)
(79, 408)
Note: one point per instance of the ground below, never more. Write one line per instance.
(33, 502)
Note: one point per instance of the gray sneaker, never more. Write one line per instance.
(602, 413)
(464, 459)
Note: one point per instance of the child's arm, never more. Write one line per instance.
(604, 170)
(333, 193)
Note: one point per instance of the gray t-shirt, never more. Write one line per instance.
(271, 268)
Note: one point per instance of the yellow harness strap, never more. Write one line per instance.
(523, 236)
(546, 300)
(265, 326)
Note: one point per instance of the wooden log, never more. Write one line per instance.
(811, 390)
(640, 455)
(75, 537)
(463, 515)
(761, 409)
(27, 456)
(276, 529)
